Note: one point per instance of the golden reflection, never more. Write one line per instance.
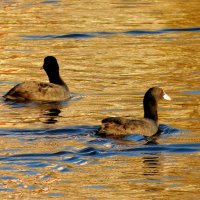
(108, 72)
(114, 177)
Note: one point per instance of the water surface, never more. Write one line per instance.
(110, 53)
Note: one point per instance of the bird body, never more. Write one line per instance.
(55, 90)
(119, 126)
(37, 91)
(148, 126)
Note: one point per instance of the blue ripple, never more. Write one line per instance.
(36, 165)
(29, 172)
(8, 178)
(166, 148)
(55, 194)
(192, 92)
(95, 187)
(65, 36)
(104, 34)
(68, 131)
(60, 153)
(75, 160)
(6, 190)
(88, 151)
(50, 1)
(170, 130)
(162, 31)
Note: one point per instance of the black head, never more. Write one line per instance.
(51, 65)
(156, 93)
(52, 69)
(150, 102)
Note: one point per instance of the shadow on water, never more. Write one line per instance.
(106, 34)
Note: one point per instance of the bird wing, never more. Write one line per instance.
(40, 91)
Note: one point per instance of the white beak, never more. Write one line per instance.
(166, 97)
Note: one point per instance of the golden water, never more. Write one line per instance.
(108, 75)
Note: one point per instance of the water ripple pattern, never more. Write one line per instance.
(110, 53)
(105, 34)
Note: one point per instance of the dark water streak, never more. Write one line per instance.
(104, 34)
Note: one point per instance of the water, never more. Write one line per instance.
(110, 53)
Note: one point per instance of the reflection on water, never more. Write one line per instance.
(52, 113)
(110, 53)
(151, 165)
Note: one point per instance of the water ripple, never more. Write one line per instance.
(193, 92)
(105, 34)
(162, 31)
(50, 2)
(166, 148)
(94, 147)
(67, 36)
(83, 156)
(73, 131)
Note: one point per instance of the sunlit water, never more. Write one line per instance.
(110, 53)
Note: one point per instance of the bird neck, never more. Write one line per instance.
(150, 109)
(56, 79)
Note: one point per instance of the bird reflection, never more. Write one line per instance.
(53, 114)
(152, 169)
(47, 113)
(151, 162)
(151, 165)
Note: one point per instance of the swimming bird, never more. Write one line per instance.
(119, 127)
(55, 90)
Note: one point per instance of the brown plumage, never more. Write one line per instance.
(119, 127)
(55, 90)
